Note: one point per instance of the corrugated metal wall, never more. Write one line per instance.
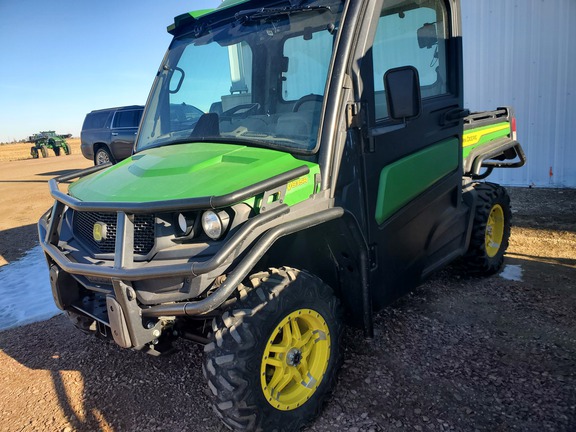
(523, 53)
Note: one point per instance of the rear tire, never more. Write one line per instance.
(34, 152)
(44, 152)
(490, 230)
(66, 149)
(273, 358)
(102, 156)
(56, 151)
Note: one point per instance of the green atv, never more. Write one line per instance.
(332, 170)
(46, 140)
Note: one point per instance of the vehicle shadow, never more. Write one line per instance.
(59, 173)
(96, 385)
(543, 209)
(15, 242)
(49, 176)
(23, 181)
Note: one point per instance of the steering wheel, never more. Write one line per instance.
(311, 98)
(242, 110)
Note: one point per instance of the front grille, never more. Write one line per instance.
(83, 225)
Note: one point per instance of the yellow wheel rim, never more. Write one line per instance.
(494, 230)
(295, 359)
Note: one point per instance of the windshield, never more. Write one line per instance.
(255, 76)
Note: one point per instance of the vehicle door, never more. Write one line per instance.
(124, 130)
(413, 166)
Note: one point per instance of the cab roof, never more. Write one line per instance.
(186, 18)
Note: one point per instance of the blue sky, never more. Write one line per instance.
(61, 59)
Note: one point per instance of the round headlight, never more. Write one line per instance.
(214, 224)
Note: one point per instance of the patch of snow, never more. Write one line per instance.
(512, 272)
(25, 292)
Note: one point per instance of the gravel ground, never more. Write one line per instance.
(457, 354)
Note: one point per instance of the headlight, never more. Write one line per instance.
(214, 224)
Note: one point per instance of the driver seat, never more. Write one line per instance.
(208, 126)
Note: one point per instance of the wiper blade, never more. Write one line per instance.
(262, 13)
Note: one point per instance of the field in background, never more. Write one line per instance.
(20, 151)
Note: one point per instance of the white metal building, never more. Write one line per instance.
(523, 53)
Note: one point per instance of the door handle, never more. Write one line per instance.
(114, 133)
(454, 115)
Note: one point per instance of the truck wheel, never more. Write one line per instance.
(491, 230)
(44, 152)
(34, 152)
(102, 156)
(273, 357)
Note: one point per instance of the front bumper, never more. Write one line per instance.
(134, 323)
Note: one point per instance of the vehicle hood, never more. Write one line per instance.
(185, 171)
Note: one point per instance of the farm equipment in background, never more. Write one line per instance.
(48, 140)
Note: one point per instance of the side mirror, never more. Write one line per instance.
(402, 87)
(427, 36)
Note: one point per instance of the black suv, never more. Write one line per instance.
(108, 134)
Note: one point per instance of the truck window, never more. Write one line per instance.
(228, 84)
(96, 120)
(308, 61)
(127, 119)
(396, 44)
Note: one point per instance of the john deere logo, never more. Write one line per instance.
(99, 231)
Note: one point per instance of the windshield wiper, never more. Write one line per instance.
(262, 13)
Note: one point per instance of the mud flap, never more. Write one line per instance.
(118, 323)
(125, 317)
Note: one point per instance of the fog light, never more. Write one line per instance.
(184, 224)
(214, 224)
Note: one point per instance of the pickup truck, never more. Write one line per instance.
(331, 170)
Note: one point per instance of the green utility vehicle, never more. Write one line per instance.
(332, 169)
(46, 140)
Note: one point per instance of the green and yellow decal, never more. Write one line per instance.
(476, 137)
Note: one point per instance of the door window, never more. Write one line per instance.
(308, 60)
(127, 119)
(411, 34)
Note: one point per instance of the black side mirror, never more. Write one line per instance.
(427, 36)
(402, 87)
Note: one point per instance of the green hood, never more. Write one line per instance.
(191, 171)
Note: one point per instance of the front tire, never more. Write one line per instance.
(44, 152)
(273, 358)
(490, 231)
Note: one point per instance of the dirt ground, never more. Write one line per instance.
(458, 354)
(24, 194)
